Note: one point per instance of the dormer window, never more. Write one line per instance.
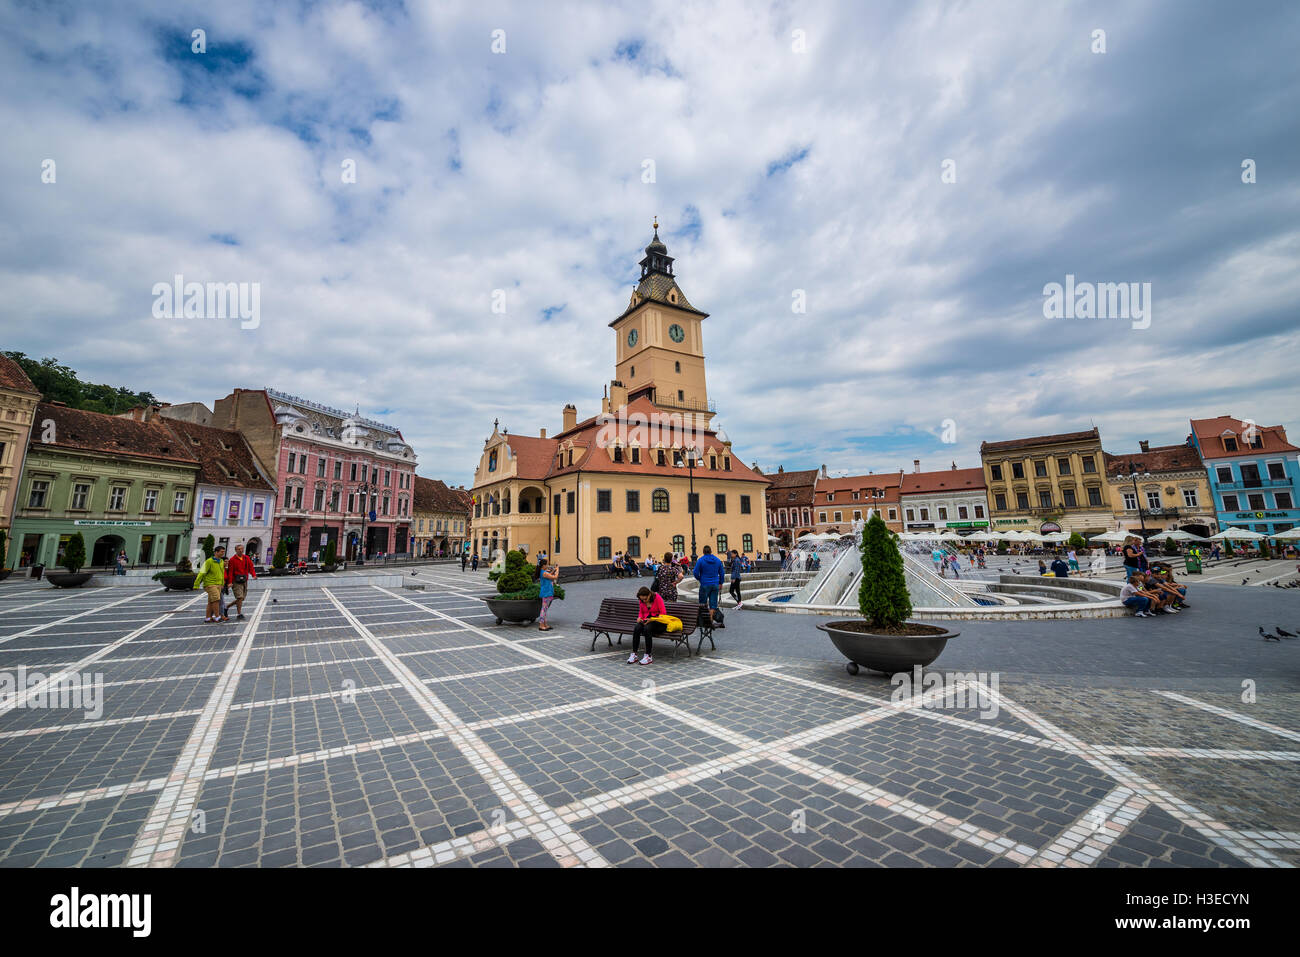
(1229, 443)
(636, 456)
(617, 454)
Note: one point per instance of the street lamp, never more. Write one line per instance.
(1135, 472)
(688, 454)
(364, 489)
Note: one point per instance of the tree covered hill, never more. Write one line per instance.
(58, 383)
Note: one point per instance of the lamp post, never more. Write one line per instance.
(1134, 473)
(688, 454)
(364, 489)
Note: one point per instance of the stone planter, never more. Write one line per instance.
(887, 653)
(515, 610)
(181, 582)
(70, 579)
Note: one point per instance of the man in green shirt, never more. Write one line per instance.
(212, 578)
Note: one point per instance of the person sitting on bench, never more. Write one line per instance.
(650, 605)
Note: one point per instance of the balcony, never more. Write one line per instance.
(1254, 483)
(668, 400)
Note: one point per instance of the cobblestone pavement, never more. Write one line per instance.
(350, 725)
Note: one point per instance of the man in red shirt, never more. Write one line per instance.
(239, 570)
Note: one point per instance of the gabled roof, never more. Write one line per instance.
(930, 483)
(535, 455)
(224, 457)
(1272, 437)
(13, 377)
(1058, 439)
(107, 434)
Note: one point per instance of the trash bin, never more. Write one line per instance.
(38, 571)
(1193, 565)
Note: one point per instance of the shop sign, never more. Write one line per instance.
(87, 521)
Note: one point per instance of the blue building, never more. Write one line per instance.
(1254, 473)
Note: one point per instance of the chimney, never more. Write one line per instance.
(954, 465)
(617, 396)
(824, 475)
(780, 469)
(916, 466)
(541, 434)
(1144, 445)
(570, 417)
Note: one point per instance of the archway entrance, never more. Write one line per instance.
(253, 549)
(105, 551)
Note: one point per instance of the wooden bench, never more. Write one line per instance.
(618, 616)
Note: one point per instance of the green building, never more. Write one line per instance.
(123, 484)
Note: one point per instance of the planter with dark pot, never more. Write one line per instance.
(69, 579)
(515, 610)
(889, 653)
(5, 573)
(181, 582)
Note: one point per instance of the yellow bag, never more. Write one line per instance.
(670, 622)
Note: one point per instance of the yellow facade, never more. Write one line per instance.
(1056, 479)
(18, 398)
(619, 482)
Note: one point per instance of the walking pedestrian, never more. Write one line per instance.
(464, 560)
(239, 570)
(709, 572)
(546, 591)
(667, 577)
(737, 568)
(121, 563)
(473, 562)
(212, 578)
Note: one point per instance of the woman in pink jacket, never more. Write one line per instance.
(651, 605)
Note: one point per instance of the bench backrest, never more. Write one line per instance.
(619, 609)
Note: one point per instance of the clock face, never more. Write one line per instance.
(676, 332)
(631, 338)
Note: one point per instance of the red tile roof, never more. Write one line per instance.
(1009, 444)
(535, 456)
(224, 457)
(928, 483)
(1160, 458)
(433, 495)
(788, 479)
(13, 377)
(109, 435)
(1272, 437)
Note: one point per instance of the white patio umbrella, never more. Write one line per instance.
(1179, 535)
(1014, 536)
(1237, 534)
(1289, 535)
(1110, 537)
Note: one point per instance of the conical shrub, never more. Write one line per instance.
(882, 597)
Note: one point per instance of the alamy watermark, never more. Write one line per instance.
(1107, 300)
(69, 692)
(211, 300)
(955, 689)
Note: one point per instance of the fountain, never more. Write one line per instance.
(822, 575)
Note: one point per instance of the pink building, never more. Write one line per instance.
(339, 477)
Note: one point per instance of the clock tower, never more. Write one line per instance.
(659, 340)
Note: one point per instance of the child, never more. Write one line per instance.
(650, 606)
(546, 591)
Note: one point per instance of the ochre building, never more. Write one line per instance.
(636, 477)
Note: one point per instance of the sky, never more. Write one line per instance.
(916, 174)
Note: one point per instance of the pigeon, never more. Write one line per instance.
(1283, 632)
(1267, 636)
(1244, 580)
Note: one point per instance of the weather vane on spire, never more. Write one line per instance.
(656, 224)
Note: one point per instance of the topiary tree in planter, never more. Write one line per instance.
(1076, 540)
(209, 546)
(329, 559)
(74, 556)
(882, 597)
(1264, 550)
(516, 582)
(281, 556)
(1171, 547)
